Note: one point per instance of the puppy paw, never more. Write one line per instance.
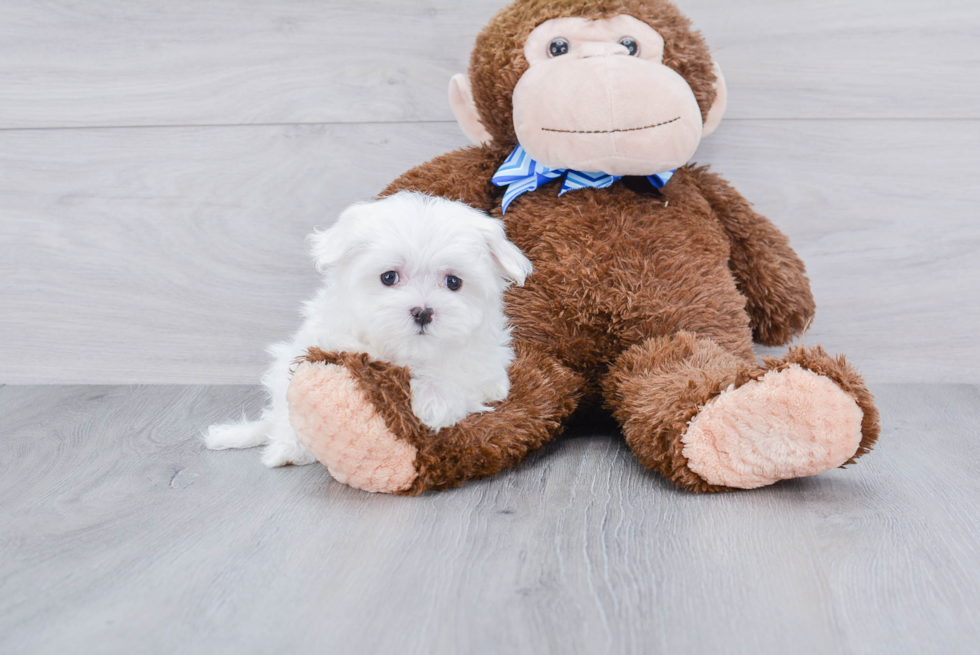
(282, 453)
(498, 391)
(437, 406)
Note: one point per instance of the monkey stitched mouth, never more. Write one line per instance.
(628, 129)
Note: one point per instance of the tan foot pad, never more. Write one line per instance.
(334, 419)
(791, 423)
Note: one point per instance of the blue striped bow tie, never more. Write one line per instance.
(521, 174)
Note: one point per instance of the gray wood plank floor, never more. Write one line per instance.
(121, 534)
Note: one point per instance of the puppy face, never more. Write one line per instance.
(412, 270)
(421, 283)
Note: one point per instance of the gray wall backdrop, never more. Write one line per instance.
(156, 183)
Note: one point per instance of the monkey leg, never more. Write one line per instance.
(355, 415)
(710, 421)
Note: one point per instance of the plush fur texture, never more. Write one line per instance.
(625, 280)
(458, 359)
(643, 301)
(597, 107)
(350, 439)
(659, 388)
(787, 424)
(481, 445)
(498, 62)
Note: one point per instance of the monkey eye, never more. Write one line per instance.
(558, 47)
(389, 278)
(630, 44)
(453, 283)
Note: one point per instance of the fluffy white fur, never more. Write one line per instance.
(458, 362)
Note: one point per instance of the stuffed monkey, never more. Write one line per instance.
(651, 276)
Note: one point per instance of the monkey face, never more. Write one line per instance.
(597, 97)
(624, 87)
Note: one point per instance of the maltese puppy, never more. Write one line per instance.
(413, 280)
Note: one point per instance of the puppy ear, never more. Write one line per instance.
(331, 245)
(511, 263)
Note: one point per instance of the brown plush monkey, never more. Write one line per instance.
(647, 290)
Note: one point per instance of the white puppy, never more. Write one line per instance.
(413, 280)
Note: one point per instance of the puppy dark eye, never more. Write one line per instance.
(453, 283)
(558, 47)
(630, 44)
(389, 278)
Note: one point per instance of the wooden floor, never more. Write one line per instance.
(123, 535)
(160, 164)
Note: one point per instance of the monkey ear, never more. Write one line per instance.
(717, 111)
(464, 109)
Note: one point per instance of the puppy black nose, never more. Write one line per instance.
(422, 315)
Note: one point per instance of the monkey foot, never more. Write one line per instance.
(790, 423)
(337, 422)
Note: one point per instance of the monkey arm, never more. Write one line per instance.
(462, 175)
(355, 415)
(767, 271)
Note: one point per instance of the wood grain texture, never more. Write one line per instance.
(177, 255)
(144, 62)
(121, 534)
